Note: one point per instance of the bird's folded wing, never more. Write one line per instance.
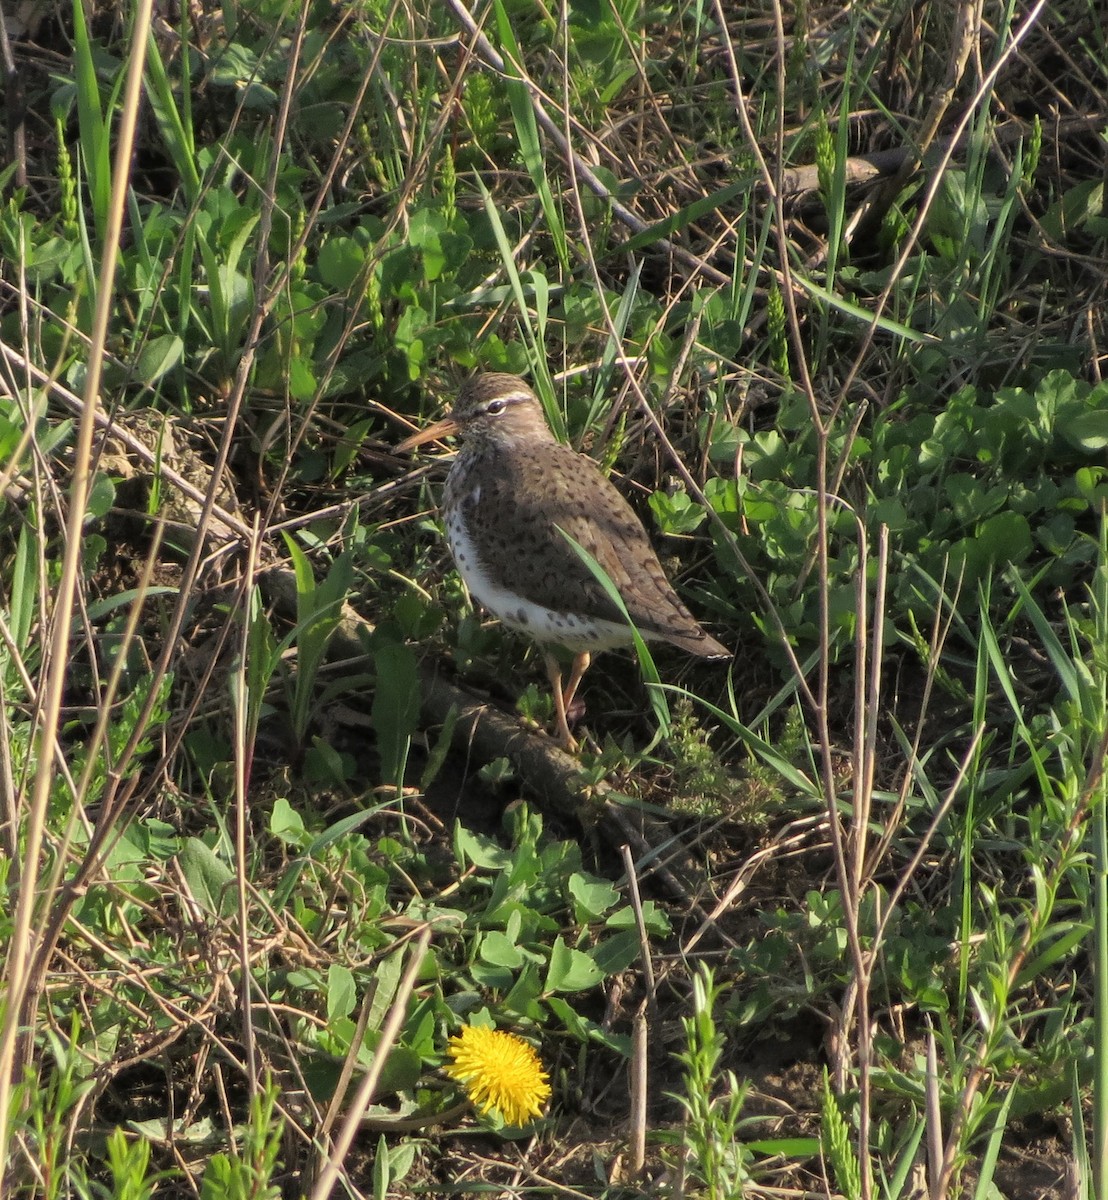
(520, 516)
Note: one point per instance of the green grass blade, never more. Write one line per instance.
(95, 143)
(646, 663)
(527, 135)
(540, 367)
(176, 134)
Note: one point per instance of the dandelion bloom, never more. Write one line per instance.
(500, 1072)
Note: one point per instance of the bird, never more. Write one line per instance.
(514, 498)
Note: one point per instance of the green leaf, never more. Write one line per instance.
(500, 950)
(209, 878)
(424, 232)
(1069, 214)
(154, 839)
(340, 263)
(570, 970)
(158, 357)
(479, 850)
(1058, 951)
(617, 952)
(341, 992)
(796, 1147)
(588, 1031)
(382, 1175)
(395, 710)
(891, 512)
(676, 512)
(591, 897)
(653, 918)
(524, 995)
(1005, 538)
(685, 216)
(1087, 431)
(101, 496)
(301, 379)
(286, 823)
(387, 976)
(569, 1017)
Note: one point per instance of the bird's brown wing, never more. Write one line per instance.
(527, 498)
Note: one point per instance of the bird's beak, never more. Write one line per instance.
(444, 428)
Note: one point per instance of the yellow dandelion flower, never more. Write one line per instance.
(499, 1072)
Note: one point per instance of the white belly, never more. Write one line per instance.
(536, 620)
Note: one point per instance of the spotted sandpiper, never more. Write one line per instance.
(514, 497)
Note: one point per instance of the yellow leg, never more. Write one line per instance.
(580, 666)
(561, 730)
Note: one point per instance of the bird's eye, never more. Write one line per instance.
(495, 407)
